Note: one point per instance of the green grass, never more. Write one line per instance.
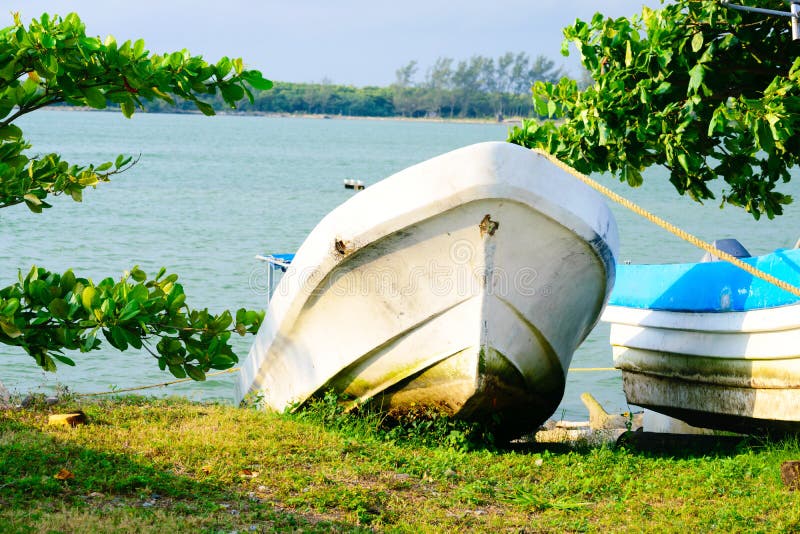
(144, 465)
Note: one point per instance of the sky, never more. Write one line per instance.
(353, 42)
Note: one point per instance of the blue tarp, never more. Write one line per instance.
(707, 287)
(287, 258)
(282, 260)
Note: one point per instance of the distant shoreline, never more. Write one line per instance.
(511, 121)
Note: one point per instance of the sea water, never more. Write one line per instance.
(208, 194)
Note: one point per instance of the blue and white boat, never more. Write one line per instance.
(709, 344)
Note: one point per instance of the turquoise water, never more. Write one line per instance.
(210, 193)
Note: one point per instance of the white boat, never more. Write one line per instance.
(709, 344)
(463, 284)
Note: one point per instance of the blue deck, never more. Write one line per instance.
(707, 287)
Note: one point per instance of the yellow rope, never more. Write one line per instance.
(669, 227)
(162, 384)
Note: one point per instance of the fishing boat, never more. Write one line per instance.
(709, 344)
(462, 284)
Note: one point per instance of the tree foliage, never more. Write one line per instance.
(701, 89)
(46, 313)
(478, 87)
(51, 61)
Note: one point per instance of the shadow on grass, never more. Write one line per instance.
(662, 445)
(427, 430)
(97, 482)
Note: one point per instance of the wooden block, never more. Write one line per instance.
(790, 474)
(67, 419)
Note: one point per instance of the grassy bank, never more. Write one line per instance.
(143, 465)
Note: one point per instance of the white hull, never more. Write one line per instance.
(464, 283)
(726, 370)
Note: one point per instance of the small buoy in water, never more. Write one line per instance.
(357, 185)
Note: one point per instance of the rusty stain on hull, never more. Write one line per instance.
(488, 226)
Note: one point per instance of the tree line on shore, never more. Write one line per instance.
(480, 87)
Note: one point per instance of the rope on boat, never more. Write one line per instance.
(162, 384)
(669, 227)
(236, 370)
(619, 199)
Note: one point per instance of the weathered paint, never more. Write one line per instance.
(713, 406)
(395, 295)
(725, 370)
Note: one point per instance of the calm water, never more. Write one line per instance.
(209, 194)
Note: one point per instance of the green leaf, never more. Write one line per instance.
(232, 92)
(551, 108)
(9, 328)
(138, 48)
(540, 106)
(602, 132)
(565, 47)
(223, 361)
(175, 60)
(764, 134)
(94, 97)
(177, 302)
(632, 176)
(32, 199)
(121, 161)
(35, 208)
(256, 80)
(90, 343)
(177, 371)
(204, 108)
(682, 159)
(88, 179)
(46, 362)
(130, 311)
(10, 132)
(127, 108)
(63, 359)
(6, 106)
(48, 41)
(10, 307)
(133, 339)
(68, 281)
(238, 65)
(138, 275)
(697, 42)
(90, 43)
(628, 54)
(696, 77)
(223, 67)
(59, 308)
(118, 338)
(195, 373)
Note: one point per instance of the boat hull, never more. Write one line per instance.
(737, 371)
(463, 284)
